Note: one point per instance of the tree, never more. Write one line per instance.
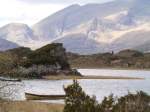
(107, 104)
(77, 101)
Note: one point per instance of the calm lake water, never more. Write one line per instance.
(98, 87)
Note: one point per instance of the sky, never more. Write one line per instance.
(31, 11)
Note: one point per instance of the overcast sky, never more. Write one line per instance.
(31, 11)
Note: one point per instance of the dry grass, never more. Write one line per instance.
(27, 106)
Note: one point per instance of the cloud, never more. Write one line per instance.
(15, 11)
(32, 11)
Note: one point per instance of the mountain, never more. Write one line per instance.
(4, 45)
(72, 16)
(103, 27)
(90, 28)
(53, 26)
(17, 33)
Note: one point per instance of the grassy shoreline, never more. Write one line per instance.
(90, 77)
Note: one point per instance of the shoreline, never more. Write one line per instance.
(70, 77)
(90, 77)
(111, 68)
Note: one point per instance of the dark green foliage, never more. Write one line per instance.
(12, 58)
(107, 104)
(77, 101)
(51, 54)
(7, 62)
(20, 52)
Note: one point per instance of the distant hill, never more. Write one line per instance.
(126, 59)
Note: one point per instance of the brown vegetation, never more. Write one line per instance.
(26, 106)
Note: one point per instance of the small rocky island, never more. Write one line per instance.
(50, 60)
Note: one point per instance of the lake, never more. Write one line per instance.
(98, 87)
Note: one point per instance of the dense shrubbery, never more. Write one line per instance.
(52, 54)
(7, 62)
(13, 58)
(77, 101)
